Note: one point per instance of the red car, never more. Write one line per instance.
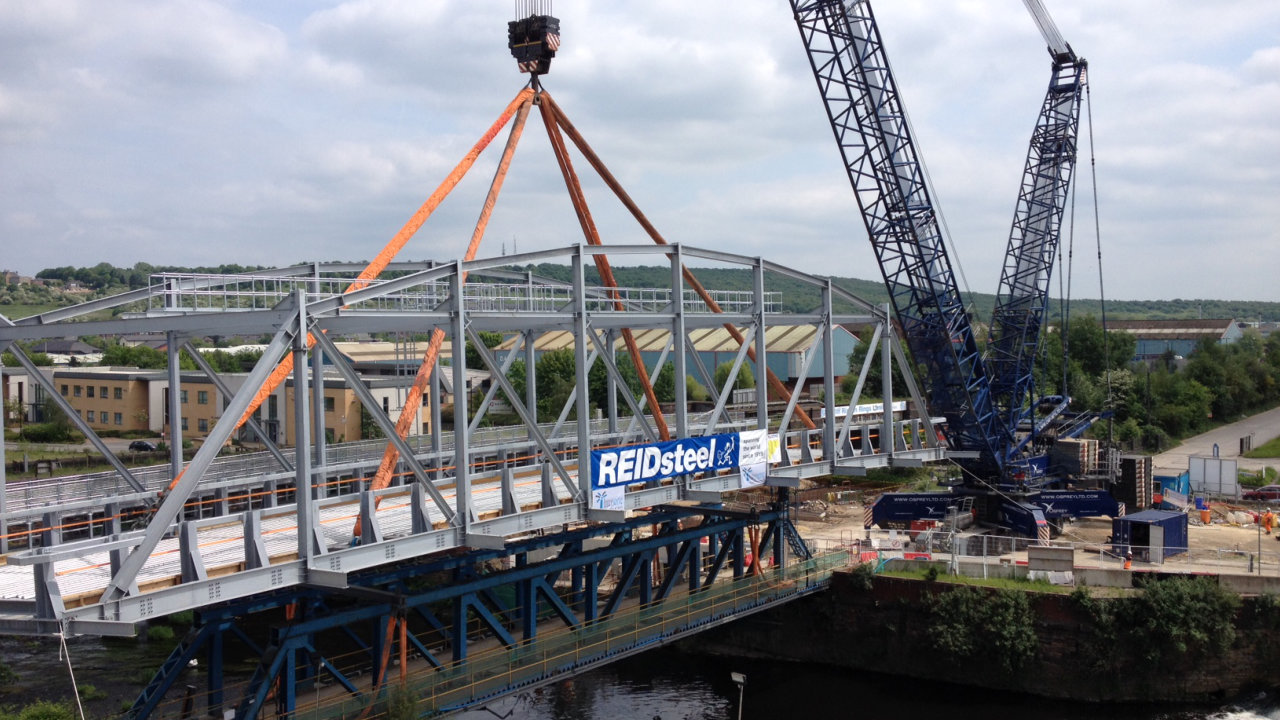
(1266, 492)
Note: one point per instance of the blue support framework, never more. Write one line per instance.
(506, 605)
(1022, 299)
(871, 129)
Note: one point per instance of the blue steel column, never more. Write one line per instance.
(175, 406)
(461, 441)
(580, 364)
(301, 435)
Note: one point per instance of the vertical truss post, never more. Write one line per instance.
(828, 378)
(611, 385)
(319, 441)
(678, 338)
(531, 375)
(580, 363)
(302, 436)
(461, 438)
(762, 367)
(435, 421)
(175, 405)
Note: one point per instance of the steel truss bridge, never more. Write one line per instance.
(486, 534)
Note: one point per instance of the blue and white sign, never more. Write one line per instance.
(617, 467)
(753, 457)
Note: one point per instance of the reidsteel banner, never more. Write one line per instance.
(617, 467)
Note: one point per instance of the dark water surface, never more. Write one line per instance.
(671, 685)
(663, 683)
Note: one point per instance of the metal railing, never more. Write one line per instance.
(200, 292)
(493, 672)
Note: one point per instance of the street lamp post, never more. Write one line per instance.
(741, 681)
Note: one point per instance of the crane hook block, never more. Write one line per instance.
(533, 42)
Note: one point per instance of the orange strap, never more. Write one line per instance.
(413, 401)
(388, 253)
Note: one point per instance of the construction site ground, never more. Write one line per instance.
(1231, 543)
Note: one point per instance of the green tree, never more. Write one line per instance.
(745, 380)
(490, 340)
(598, 383)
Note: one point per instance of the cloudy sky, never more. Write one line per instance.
(193, 132)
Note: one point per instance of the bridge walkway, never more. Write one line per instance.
(494, 670)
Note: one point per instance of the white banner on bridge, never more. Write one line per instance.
(753, 457)
(1214, 476)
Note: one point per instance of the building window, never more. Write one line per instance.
(119, 418)
(90, 416)
(184, 423)
(89, 391)
(119, 394)
(202, 397)
(328, 404)
(272, 411)
(64, 391)
(102, 391)
(203, 425)
(182, 394)
(75, 391)
(386, 404)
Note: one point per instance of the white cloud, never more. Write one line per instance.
(197, 131)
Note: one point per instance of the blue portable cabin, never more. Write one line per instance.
(1151, 535)
(1174, 488)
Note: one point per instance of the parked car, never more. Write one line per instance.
(1266, 492)
(141, 446)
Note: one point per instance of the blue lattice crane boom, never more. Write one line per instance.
(866, 113)
(991, 424)
(1023, 295)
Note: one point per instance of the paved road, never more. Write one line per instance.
(1263, 427)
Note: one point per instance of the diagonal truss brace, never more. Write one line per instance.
(385, 424)
(177, 496)
(72, 415)
(523, 412)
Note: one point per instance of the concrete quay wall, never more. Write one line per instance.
(885, 629)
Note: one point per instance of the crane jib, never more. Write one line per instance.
(984, 399)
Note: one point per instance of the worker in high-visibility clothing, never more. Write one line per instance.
(1268, 520)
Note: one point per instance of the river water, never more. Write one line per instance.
(663, 684)
(670, 685)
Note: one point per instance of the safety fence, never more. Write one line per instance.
(1259, 555)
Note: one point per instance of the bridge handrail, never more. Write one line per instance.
(490, 673)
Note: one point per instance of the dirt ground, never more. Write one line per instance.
(844, 522)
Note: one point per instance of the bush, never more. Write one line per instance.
(47, 433)
(42, 710)
(1172, 624)
(997, 627)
